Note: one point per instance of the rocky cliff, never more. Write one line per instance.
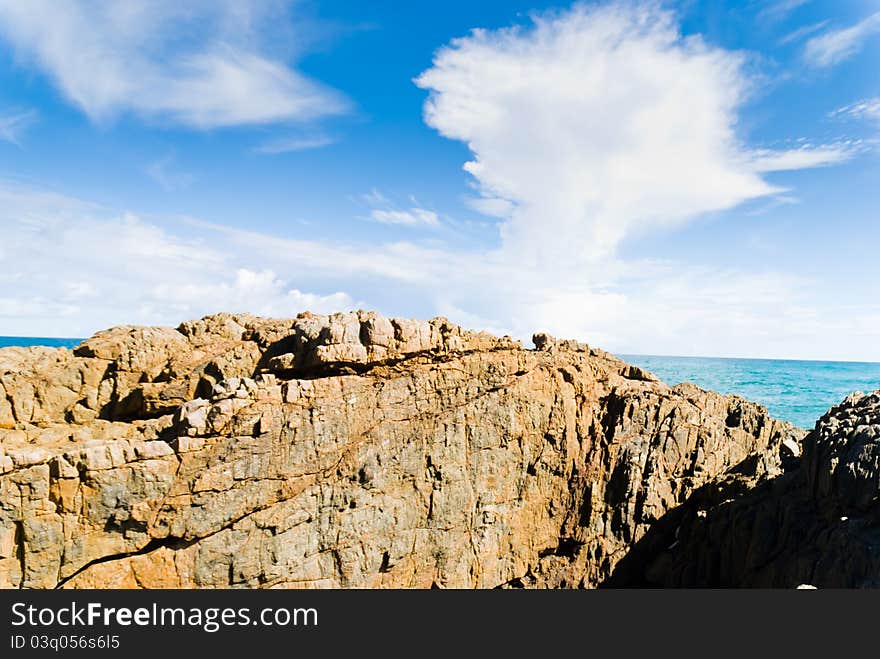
(818, 524)
(353, 450)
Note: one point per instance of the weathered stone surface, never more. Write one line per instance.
(351, 450)
(818, 524)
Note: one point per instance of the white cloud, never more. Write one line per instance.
(772, 203)
(868, 108)
(13, 125)
(805, 156)
(80, 290)
(71, 268)
(591, 127)
(29, 206)
(492, 206)
(154, 58)
(777, 10)
(595, 124)
(802, 32)
(648, 307)
(167, 176)
(835, 46)
(78, 268)
(288, 144)
(27, 308)
(412, 217)
(384, 211)
(337, 261)
(259, 292)
(375, 198)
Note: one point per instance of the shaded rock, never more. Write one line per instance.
(817, 524)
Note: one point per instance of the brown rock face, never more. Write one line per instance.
(351, 450)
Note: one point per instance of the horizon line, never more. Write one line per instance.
(617, 354)
(766, 359)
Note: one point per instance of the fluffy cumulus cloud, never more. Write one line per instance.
(597, 123)
(589, 127)
(154, 58)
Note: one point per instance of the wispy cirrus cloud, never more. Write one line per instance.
(202, 64)
(802, 32)
(70, 267)
(835, 46)
(868, 108)
(805, 156)
(167, 175)
(777, 10)
(385, 211)
(411, 217)
(12, 126)
(295, 143)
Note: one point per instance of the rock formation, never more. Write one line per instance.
(353, 450)
(818, 524)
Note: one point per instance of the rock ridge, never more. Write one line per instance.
(353, 450)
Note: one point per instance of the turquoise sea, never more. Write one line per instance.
(797, 391)
(24, 341)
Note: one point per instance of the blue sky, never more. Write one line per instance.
(670, 178)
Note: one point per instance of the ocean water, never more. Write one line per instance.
(797, 391)
(25, 341)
